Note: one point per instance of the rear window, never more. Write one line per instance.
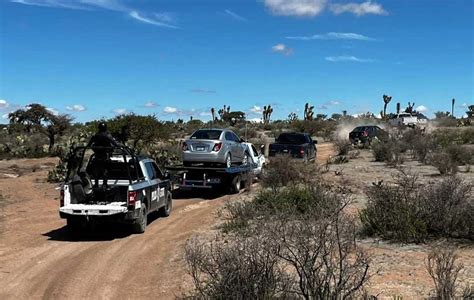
(296, 139)
(116, 169)
(206, 135)
(361, 128)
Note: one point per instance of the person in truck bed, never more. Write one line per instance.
(102, 144)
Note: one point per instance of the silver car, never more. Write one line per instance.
(214, 146)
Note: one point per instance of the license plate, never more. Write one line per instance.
(285, 150)
(200, 148)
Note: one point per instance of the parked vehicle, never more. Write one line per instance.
(298, 145)
(366, 134)
(256, 158)
(135, 187)
(410, 120)
(214, 147)
(227, 179)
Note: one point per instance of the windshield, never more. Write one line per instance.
(206, 135)
(286, 138)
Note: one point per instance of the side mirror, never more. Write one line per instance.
(242, 140)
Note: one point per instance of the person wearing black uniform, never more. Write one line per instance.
(102, 144)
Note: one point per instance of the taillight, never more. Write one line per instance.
(61, 198)
(302, 151)
(365, 133)
(185, 147)
(217, 147)
(132, 197)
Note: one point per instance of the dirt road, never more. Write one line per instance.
(39, 259)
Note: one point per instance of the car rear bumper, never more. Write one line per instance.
(208, 157)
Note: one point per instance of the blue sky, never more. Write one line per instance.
(176, 58)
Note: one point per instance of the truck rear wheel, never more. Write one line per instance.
(165, 211)
(235, 185)
(140, 223)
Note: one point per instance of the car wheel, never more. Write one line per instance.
(228, 160)
(235, 186)
(305, 158)
(141, 221)
(165, 211)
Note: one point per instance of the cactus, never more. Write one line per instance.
(308, 112)
(398, 108)
(452, 107)
(267, 113)
(213, 113)
(410, 107)
(386, 101)
(292, 117)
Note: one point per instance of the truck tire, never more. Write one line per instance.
(140, 223)
(235, 185)
(228, 161)
(165, 211)
(75, 225)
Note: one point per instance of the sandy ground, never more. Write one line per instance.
(39, 259)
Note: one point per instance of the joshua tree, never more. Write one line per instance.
(410, 107)
(267, 113)
(398, 108)
(386, 100)
(308, 112)
(470, 112)
(344, 113)
(292, 117)
(213, 113)
(452, 107)
(223, 111)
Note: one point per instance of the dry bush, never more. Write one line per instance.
(389, 151)
(444, 163)
(342, 146)
(283, 171)
(448, 209)
(420, 143)
(409, 212)
(444, 270)
(243, 268)
(310, 257)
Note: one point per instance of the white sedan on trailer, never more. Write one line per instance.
(256, 158)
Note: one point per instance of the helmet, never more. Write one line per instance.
(102, 127)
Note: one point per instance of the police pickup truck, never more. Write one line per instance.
(123, 188)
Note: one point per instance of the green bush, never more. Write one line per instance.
(409, 212)
(444, 163)
(389, 151)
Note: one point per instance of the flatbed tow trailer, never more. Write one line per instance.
(200, 177)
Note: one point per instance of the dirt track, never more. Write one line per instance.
(38, 258)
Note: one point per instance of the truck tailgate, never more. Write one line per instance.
(95, 209)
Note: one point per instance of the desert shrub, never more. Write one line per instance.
(22, 145)
(420, 143)
(460, 155)
(322, 251)
(393, 212)
(443, 268)
(389, 151)
(310, 257)
(447, 208)
(409, 212)
(342, 146)
(244, 268)
(466, 135)
(283, 171)
(444, 163)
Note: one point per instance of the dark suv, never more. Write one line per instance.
(366, 134)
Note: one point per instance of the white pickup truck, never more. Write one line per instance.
(135, 187)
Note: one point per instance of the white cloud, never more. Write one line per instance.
(282, 48)
(52, 110)
(151, 19)
(334, 102)
(119, 111)
(422, 109)
(163, 19)
(346, 58)
(205, 114)
(256, 109)
(333, 36)
(150, 104)
(298, 8)
(235, 16)
(358, 9)
(3, 104)
(202, 91)
(170, 110)
(76, 107)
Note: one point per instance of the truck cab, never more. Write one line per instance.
(135, 186)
